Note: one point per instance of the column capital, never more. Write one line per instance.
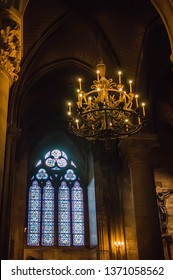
(136, 149)
(10, 49)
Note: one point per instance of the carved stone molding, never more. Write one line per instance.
(136, 149)
(10, 50)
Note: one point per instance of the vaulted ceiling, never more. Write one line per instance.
(65, 39)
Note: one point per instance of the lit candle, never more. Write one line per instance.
(143, 109)
(98, 72)
(80, 83)
(77, 123)
(119, 77)
(89, 100)
(139, 120)
(130, 83)
(99, 93)
(136, 98)
(80, 99)
(127, 127)
(118, 244)
(69, 108)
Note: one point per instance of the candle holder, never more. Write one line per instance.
(107, 111)
(118, 246)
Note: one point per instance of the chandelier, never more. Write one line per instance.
(106, 111)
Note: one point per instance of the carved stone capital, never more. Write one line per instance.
(10, 49)
(136, 149)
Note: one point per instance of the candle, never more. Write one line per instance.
(127, 127)
(80, 83)
(130, 83)
(119, 77)
(136, 98)
(119, 244)
(139, 120)
(98, 72)
(89, 100)
(77, 123)
(143, 109)
(69, 108)
(80, 99)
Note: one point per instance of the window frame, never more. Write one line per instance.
(56, 188)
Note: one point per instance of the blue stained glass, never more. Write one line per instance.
(41, 203)
(56, 153)
(78, 227)
(33, 239)
(64, 239)
(78, 239)
(48, 239)
(77, 215)
(64, 215)
(61, 162)
(64, 206)
(34, 215)
(42, 174)
(47, 155)
(73, 164)
(77, 205)
(64, 155)
(38, 163)
(70, 175)
(48, 215)
(50, 162)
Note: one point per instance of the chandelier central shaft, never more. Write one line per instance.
(106, 111)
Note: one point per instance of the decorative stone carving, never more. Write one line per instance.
(10, 50)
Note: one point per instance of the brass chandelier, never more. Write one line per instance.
(106, 111)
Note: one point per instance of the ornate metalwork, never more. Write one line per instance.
(106, 111)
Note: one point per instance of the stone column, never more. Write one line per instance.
(137, 150)
(10, 56)
(8, 183)
(103, 248)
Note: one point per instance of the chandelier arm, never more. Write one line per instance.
(106, 111)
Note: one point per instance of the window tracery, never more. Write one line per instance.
(55, 200)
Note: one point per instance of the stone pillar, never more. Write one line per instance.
(137, 150)
(10, 56)
(5, 82)
(101, 184)
(8, 192)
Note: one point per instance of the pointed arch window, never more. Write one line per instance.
(55, 202)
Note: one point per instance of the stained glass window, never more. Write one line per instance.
(64, 236)
(77, 215)
(55, 205)
(48, 215)
(34, 215)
